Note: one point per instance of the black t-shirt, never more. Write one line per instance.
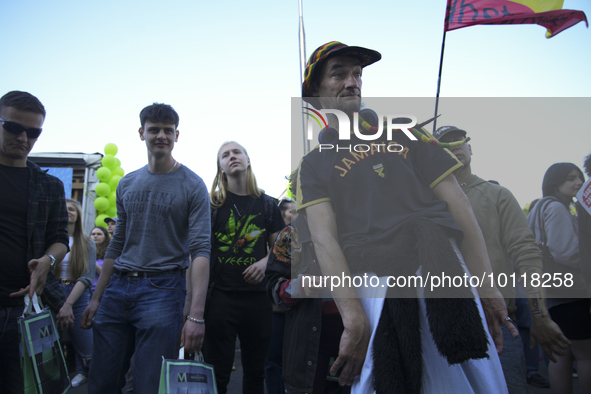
(14, 198)
(373, 193)
(256, 218)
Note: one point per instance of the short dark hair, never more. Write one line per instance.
(159, 113)
(587, 165)
(23, 101)
(555, 176)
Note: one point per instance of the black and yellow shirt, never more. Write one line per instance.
(375, 186)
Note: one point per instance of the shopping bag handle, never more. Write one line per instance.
(198, 356)
(35, 304)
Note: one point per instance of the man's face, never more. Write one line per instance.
(14, 149)
(462, 152)
(111, 227)
(159, 137)
(339, 85)
(233, 159)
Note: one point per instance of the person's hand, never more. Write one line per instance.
(310, 291)
(21, 292)
(352, 351)
(255, 273)
(39, 269)
(496, 313)
(548, 335)
(88, 315)
(192, 336)
(65, 317)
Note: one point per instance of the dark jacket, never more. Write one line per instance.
(303, 320)
(47, 224)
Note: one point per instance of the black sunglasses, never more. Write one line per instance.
(16, 129)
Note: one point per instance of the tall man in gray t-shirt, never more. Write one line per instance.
(163, 223)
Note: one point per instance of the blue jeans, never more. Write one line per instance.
(273, 379)
(81, 339)
(11, 376)
(513, 363)
(136, 314)
(524, 322)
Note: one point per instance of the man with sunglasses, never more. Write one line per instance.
(33, 229)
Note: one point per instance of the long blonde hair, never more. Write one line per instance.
(219, 188)
(78, 257)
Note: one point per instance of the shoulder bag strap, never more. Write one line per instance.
(540, 218)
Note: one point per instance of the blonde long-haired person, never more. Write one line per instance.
(76, 274)
(235, 154)
(245, 223)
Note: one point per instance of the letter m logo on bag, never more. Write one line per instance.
(44, 332)
(182, 377)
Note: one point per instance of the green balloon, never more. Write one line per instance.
(112, 211)
(113, 198)
(118, 162)
(118, 171)
(109, 161)
(114, 181)
(102, 190)
(104, 174)
(111, 149)
(100, 220)
(101, 204)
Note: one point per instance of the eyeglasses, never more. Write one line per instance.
(16, 129)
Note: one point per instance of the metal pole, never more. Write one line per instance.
(439, 80)
(302, 44)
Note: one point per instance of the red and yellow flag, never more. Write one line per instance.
(547, 13)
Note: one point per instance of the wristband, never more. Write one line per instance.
(195, 320)
(52, 260)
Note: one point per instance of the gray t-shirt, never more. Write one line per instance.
(162, 220)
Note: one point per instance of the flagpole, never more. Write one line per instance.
(439, 80)
(302, 45)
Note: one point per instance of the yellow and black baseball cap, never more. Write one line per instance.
(334, 48)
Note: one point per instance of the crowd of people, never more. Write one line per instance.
(183, 267)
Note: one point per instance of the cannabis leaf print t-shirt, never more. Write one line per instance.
(241, 228)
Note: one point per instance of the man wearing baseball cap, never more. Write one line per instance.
(111, 223)
(509, 242)
(392, 214)
(337, 93)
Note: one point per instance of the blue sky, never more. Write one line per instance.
(230, 68)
